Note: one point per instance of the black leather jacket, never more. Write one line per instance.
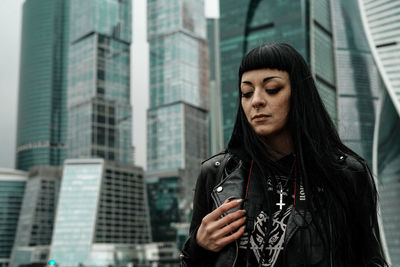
(300, 228)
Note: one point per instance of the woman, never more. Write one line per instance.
(287, 191)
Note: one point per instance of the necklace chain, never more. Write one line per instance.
(282, 190)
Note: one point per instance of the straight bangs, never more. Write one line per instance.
(267, 57)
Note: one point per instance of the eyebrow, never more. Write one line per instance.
(264, 80)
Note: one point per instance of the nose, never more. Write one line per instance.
(258, 98)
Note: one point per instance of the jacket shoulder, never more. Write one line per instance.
(351, 162)
(214, 161)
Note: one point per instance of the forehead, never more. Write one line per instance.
(260, 74)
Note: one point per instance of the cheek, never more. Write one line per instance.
(245, 109)
(285, 113)
(283, 110)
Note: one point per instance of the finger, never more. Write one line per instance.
(214, 226)
(230, 228)
(230, 238)
(231, 217)
(214, 215)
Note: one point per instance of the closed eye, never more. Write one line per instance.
(273, 91)
(247, 94)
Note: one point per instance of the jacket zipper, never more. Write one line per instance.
(237, 252)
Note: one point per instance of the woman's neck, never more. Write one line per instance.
(279, 145)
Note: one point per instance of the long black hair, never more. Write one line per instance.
(317, 146)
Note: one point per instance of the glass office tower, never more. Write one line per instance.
(41, 130)
(358, 81)
(177, 125)
(162, 194)
(35, 224)
(381, 22)
(101, 214)
(306, 25)
(12, 187)
(99, 110)
(215, 107)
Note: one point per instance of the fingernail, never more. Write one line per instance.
(239, 200)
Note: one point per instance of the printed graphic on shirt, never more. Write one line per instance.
(270, 251)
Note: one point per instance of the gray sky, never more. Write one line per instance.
(10, 32)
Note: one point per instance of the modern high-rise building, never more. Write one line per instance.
(102, 211)
(36, 220)
(162, 193)
(359, 84)
(306, 25)
(96, 106)
(177, 124)
(101, 214)
(381, 20)
(12, 187)
(215, 105)
(42, 130)
(99, 110)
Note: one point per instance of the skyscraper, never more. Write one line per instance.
(101, 214)
(306, 25)
(177, 125)
(97, 107)
(381, 22)
(215, 105)
(12, 186)
(41, 130)
(36, 220)
(359, 84)
(99, 110)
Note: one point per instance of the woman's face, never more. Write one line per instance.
(266, 100)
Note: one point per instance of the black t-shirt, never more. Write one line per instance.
(261, 246)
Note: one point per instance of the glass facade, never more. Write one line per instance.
(35, 225)
(74, 229)
(163, 205)
(358, 82)
(303, 24)
(99, 110)
(12, 187)
(177, 123)
(102, 211)
(122, 215)
(177, 137)
(388, 163)
(215, 109)
(178, 77)
(381, 22)
(165, 138)
(41, 130)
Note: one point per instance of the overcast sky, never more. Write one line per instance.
(10, 32)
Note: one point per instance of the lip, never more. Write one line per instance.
(260, 117)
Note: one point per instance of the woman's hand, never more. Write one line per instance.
(215, 232)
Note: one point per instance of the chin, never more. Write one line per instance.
(268, 132)
(264, 132)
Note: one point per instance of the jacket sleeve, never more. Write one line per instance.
(192, 254)
(367, 219)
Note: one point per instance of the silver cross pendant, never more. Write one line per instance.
(280, 204)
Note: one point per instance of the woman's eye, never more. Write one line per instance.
(247, 94)
(273, 91)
